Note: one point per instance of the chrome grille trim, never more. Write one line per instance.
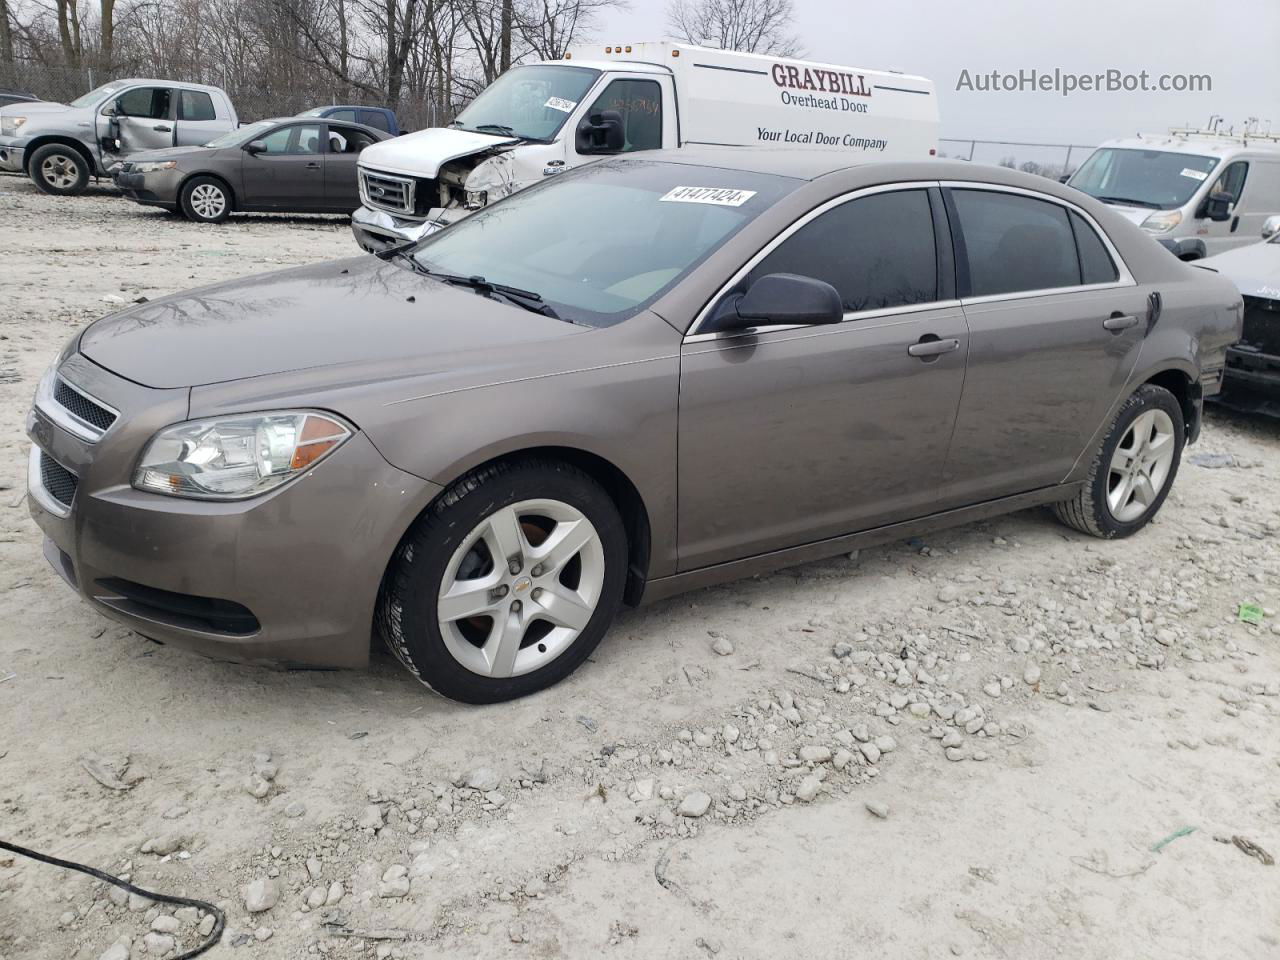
(381, 191)
(67, 418)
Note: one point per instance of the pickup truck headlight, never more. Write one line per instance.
(1162, 222)
(233, 458)
(9, 125)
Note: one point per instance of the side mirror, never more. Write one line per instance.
(785, 298)
(601, 133)
(256, 147)
(1064, 178)
(1270, 227)
(1218, 206)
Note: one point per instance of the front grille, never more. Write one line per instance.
(58, 481)
(81, 406)
(1261, 325)
(383, 192)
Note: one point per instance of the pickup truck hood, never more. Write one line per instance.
(353, 312)
(422, 154)
(31, 108)
(1254, 269)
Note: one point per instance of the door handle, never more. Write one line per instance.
(1120, 321)
(313, 165)
(930, 347)
(161, 128)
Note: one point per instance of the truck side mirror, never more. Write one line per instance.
(1218, 206)
(601, 133)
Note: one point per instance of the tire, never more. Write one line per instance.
(530, 510)
(1103, 507)
(59, 170)
(205, 200)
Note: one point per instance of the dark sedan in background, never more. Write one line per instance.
(290, 165)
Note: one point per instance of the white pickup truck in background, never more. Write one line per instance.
(539, 120)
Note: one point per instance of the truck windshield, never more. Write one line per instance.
(528, 102)
(1157, 179)
(603, 242)
(97, 94)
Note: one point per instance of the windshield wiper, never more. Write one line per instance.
(401, 252)
(1131, 202)
(500, 127)
(526, 299)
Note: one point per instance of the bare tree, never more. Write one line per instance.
(550, 27)
(6, 34)
(752, 26)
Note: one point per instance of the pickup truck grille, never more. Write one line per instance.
(383, 192)
(1261, 325)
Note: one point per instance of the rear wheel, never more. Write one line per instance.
(206, 200)
(1133, 470)
(58, 169)
(507, 583)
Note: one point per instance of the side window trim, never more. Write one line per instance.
(965, 290)
(694, 336)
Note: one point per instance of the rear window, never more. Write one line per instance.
(376, 119)
(1015, 243)
(195, 105)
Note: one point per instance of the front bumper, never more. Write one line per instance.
(1255, 361)
(376, 230)
(287, 578)
(153, 189)
(12, 154)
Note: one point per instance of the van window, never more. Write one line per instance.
(531, 102)
(376, 119)
(640, 103)
(1096, 265)
(1015, 243)
(195, 105)
(1231, 181)
(146, 103)
(1159, 179)
(877, 251)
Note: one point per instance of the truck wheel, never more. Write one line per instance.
(506, 583)
(206, 200)
(1133, 470)
(58, 169)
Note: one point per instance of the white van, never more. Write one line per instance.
(539, 120)
(1201, 192)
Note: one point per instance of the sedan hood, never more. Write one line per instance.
(342, 312)
(422, 154)
(165, 153)
(1255, 269)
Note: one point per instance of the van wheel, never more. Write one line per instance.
(1133, 470)
(506, 583)
(206, 200)
(58, 169)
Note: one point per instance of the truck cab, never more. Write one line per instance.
(539, 120)
(61, 146)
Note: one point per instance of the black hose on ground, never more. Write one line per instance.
(220, 919)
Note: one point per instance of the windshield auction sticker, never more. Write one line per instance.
(1194, 174)
(719, 196)
(564, 106)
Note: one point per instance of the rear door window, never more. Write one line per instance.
(195, 105)
(1096, 265)
(1015, 243)
(878, 251)
(376, 119)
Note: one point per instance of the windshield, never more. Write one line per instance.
(242, 134)
(601, 243)
(1143, 178)
(97, 94)
(528, 102)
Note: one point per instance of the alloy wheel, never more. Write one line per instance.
(208, 201)
(1140, 465)
(59, 171)
(521, 588)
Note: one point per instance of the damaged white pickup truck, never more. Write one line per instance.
(539, 120)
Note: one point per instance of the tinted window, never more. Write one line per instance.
(1096, 265)
(348, 139)
(640, 103)
(375, 119)
(300, 139)
(148, 103)
(348, 115)
(195, 105)
(878, 251)
(1015, 243)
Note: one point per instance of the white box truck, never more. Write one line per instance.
(539, 120)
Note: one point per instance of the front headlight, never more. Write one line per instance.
(231, 458)
(1162, 222)
(9, 125)
(151, 166)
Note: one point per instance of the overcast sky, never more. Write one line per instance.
(1236, 42)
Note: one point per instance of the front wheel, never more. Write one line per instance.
(507, 583)
(206, 200)
(60, 170)
(1133, 470)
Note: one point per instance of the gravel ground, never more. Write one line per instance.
(969, 745)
